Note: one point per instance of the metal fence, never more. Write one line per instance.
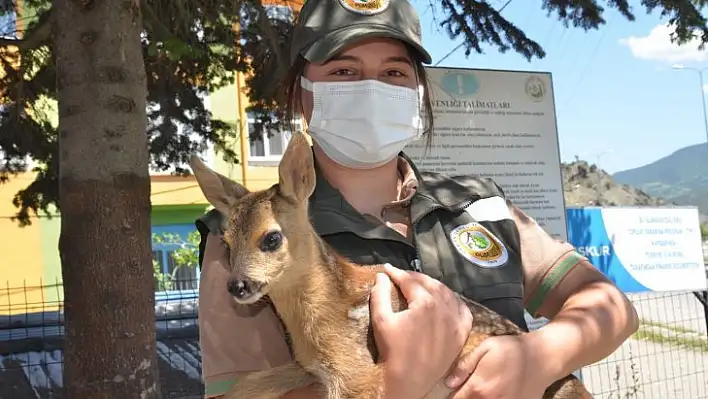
(31, 342)
(667, 358)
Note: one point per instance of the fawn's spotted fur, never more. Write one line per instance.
(321, 297)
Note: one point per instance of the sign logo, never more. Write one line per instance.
(460, 84)
(365, 7)
(535, 88)
(479, 245)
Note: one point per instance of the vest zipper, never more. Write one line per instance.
(434, 207)
(417, 263)
(465, 204)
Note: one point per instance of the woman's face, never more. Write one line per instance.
(381, 59)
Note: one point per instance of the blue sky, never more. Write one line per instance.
(617, 96)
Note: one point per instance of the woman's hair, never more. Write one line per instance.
(293, 93)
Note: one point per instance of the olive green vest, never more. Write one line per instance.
(463, 236)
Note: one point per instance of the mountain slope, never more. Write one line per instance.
(587, 185)
(681, 177)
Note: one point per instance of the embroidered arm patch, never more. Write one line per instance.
(551, 280)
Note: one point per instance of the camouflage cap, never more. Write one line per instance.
(325, 27)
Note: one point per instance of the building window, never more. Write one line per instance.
(174, 277)
(270, 146)
(175, 258)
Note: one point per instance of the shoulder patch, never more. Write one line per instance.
(478, 245)
(365, 7)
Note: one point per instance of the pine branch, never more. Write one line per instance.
(271, 36)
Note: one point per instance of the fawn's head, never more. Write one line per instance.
(267, 232)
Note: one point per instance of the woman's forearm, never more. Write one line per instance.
(591, 325)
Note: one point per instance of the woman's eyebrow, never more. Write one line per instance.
(399, 58)
(342, 57)
(345, 57)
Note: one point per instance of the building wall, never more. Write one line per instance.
(230, 104)
(21, 255)
(29, 256)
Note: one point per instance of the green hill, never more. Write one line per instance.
(681, 177)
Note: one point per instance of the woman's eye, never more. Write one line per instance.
(225, 244)
(272, 241)
(342, 72)
(396, 74)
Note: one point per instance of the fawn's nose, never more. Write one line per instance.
(242, 289)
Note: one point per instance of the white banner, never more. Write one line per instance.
(642, 249)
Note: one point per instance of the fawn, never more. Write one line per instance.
(321, 297)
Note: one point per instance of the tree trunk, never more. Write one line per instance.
(104, 198)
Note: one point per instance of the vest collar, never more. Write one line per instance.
(331, 213)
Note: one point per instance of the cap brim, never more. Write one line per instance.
(331, 44)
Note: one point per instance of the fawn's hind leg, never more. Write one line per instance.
(567, 388)
(272, 383)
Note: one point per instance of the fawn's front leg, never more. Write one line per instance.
(272, 383)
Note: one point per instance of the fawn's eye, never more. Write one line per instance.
(272, 241)
(225, 244)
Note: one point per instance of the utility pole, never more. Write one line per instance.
(703, 93)
(701, 296)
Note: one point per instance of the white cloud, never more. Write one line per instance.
(657, 46)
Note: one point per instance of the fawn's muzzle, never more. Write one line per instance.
(243, 289)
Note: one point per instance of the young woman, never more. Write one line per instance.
(356, 71)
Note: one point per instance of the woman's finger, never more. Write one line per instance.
(465, 367)
(400, 276)
(397, 275)
(463, 309)
(430, 284)
(380, 301)
(408, 283)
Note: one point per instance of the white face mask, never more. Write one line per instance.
(363, 124)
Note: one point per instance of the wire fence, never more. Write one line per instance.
(667, 358)
(31, 341)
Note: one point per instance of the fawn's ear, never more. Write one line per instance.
(219, 190)
(297, 170)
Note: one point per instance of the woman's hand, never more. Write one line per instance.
(504, 367)
(417, 345)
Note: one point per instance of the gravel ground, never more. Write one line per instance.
(649, 370)
(678, 310)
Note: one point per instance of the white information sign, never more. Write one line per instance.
(498, 124)
(502, 125)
